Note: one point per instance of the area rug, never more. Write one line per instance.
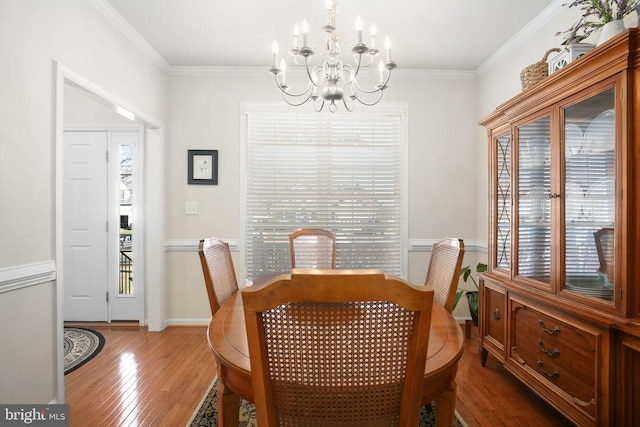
(80, 346)
(207, 412)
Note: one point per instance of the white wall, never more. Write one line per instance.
(34, 34)
(205, 114)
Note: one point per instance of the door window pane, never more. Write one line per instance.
(125, 168)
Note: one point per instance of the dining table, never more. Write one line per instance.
(228, 340)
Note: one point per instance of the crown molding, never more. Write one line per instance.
(525, 33)
(129, 32)
(226, 71)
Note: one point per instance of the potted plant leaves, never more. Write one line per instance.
(472, 296)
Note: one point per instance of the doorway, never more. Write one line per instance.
(153, 171)
(103, 192)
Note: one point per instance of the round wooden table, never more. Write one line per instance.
(228, 339)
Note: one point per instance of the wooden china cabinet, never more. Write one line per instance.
(560, 301)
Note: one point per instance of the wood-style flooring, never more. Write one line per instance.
(143, 378)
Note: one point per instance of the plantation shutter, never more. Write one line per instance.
(341, 172)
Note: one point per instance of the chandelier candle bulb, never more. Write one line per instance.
(296, 31)
(283, 70)
(331, 13)
(387, 45)
(373, 31)
(305, 32)
(359, 28)
(381, 69)
(275, 49)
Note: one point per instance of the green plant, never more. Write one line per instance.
(472, 296)
(600, 12)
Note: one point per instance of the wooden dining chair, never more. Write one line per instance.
(312, 248)
(337, 347)
(605, 247)
(444, 271)
(217, 268)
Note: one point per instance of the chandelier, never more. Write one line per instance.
(328, 81)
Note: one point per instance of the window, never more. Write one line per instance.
(342, 172)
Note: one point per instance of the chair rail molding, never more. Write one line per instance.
(191, 245)
(426, 245)
(21, 276)
(415, 245)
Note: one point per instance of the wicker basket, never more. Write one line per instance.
(536, 72)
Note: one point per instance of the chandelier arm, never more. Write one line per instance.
(354, 75)
(295, 95)
(321, 106)
(369, 104)
(353, 105)
(370, 61)
(379, 87)
(295, 104)
(309, 73)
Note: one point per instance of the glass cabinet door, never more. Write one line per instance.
(502, 238)
(534, 202)
(589, 196)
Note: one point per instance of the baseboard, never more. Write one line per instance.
(188, 322)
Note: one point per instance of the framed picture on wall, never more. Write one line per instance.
(202, 167)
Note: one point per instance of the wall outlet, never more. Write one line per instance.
(191, 208)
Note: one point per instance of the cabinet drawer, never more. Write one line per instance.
(559, 354)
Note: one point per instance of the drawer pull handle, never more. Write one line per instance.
(555, 352)
(554, 374)
(555, 330)
(496, 314)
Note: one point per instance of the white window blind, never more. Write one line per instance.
(344, 173)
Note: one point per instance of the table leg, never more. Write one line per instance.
(467, 328)
(228, 406)
(446, 406)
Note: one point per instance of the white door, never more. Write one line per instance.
(102, 225)
(85, 215)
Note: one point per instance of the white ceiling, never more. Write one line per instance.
(426, 34)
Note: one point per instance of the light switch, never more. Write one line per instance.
(191, 208)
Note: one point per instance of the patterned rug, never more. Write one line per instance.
(207, 412)
(80, 346)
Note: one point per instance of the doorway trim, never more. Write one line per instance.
(153, 207)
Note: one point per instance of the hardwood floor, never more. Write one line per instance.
(145, 378)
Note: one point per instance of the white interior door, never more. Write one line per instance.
(85, 234)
